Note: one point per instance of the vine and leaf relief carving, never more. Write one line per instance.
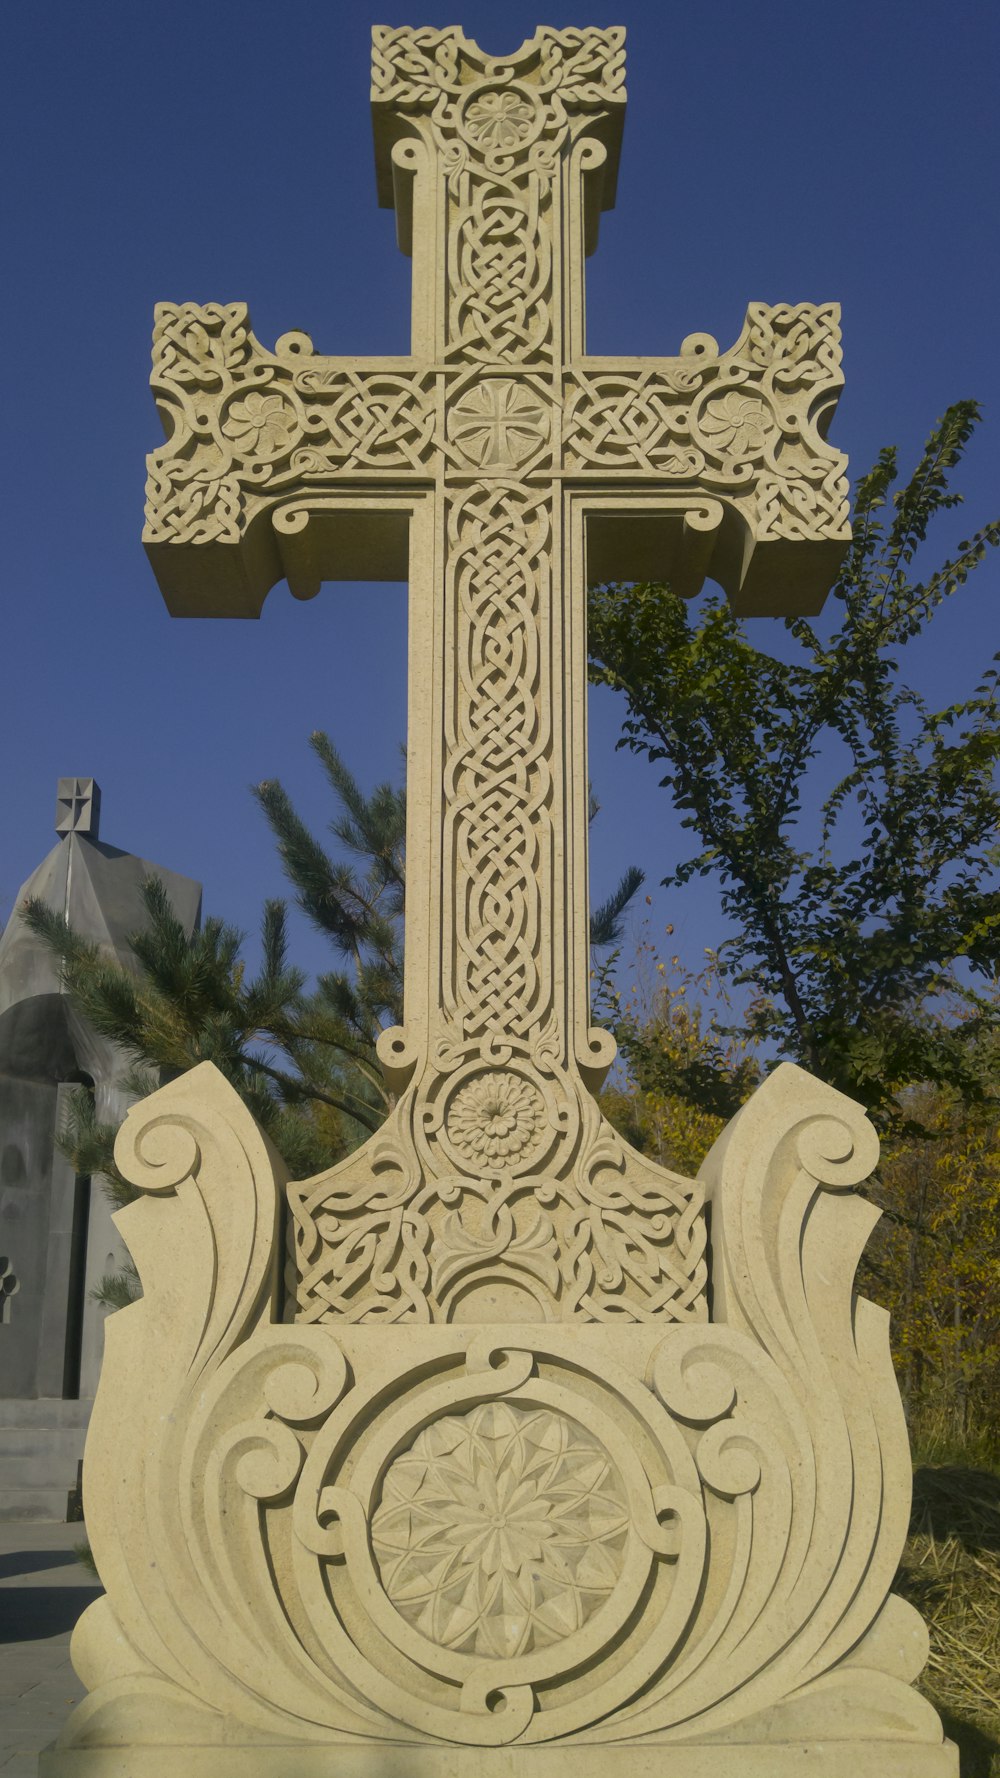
(497, 1192)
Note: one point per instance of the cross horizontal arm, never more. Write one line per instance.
(745, 431)
(251, 433)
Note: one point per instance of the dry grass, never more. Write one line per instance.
(951, 1573)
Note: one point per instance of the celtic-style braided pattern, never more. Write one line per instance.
(500, 296)
(497, 1189)
(247, 424)
(498, 827)
(747, 423)
(558, 1209)
(499, 125)
(799, 342)
(367, 419)
(413, 65)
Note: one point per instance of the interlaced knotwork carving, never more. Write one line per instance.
(747, 423)
(498, 1177)
(410, 64)
(247, 424)
(499, 125)
(413, 65)
(498, 827)
(500, 296)
(372, 1546)
(497, 1173)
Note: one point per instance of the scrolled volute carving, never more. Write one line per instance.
(209, 1214)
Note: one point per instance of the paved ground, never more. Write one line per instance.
(43, 1590)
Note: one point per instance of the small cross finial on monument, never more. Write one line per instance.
(78, 806)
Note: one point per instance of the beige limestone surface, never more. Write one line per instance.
(499, 1451)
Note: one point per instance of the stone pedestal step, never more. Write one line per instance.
(812, 1759)
(41, 1444)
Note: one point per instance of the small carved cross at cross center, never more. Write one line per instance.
(497, 468)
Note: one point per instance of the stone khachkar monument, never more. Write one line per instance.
(57, 1238)
(518, 1463)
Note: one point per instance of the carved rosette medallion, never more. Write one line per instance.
(498, 421)
(261, 424)
(502, 1483)
(496, 1122)
(496, 1524)
(498, 121)
(501, 1530)
(683, 1536)
(738, 424)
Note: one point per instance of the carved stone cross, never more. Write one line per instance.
(499, 468)
(613, 1525)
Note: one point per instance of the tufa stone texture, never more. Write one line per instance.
(499, 1465)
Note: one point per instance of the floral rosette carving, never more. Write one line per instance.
(261, 425)
(499, 120)
(496, 1121)
(738, 424)
(501, 1530)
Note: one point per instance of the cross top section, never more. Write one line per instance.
(497, 127)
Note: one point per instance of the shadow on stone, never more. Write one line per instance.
(34, 1561)
(29, 1614)
(977, 1751)
(952, 1501)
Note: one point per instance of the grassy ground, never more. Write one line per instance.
(951, 1573)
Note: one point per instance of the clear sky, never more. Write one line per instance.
(221, 152)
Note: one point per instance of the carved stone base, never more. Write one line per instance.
(410, 1550)
(803, 1759)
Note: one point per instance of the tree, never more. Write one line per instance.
(189, 1001)
(684, 1074)
(936, 1260)
(356, 901)
(847, 943)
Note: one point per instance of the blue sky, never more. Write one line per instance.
(780, 153)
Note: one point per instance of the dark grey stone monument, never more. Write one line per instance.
(56, 1235)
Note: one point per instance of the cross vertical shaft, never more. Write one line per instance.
(487, 161)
